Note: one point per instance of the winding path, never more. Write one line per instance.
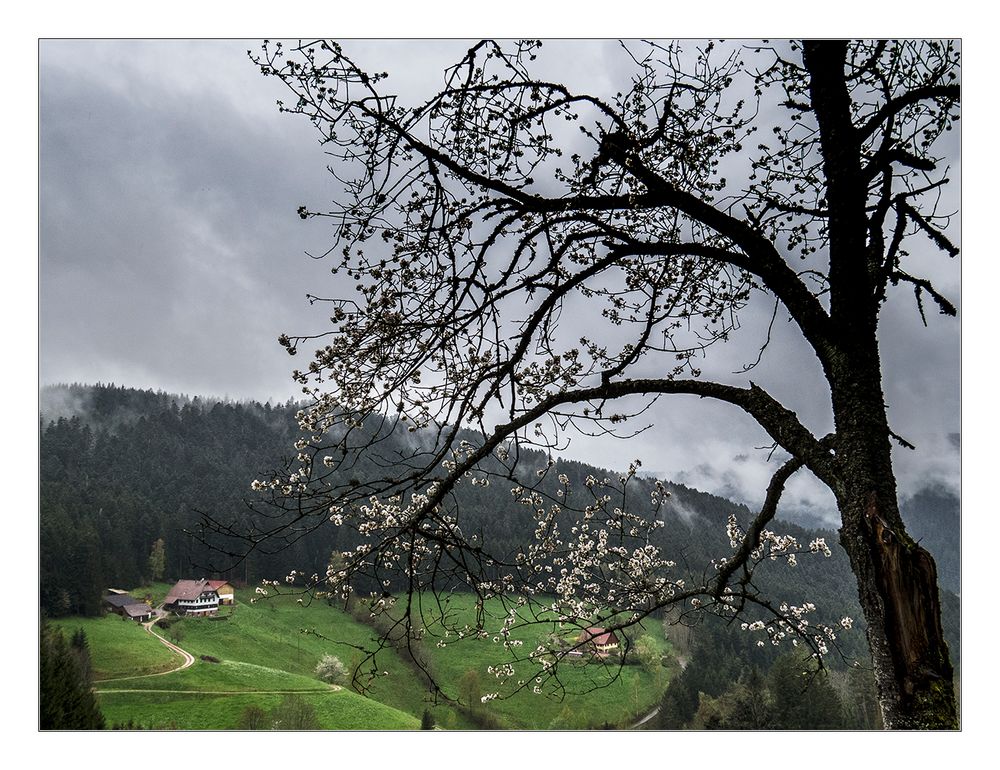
(189, 661)
(188, 658)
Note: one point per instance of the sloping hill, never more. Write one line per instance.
(252, 658)
(121, 468)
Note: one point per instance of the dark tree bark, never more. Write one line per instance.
(897, 579)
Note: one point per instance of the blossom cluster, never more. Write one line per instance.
(593, 555)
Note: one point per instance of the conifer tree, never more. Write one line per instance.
(157, 560)
(66, 700)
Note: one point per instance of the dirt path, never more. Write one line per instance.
(189, 661)
(645, 719)
(682, 662)
(331, 688)
(187, 656)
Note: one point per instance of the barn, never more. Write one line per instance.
(127, 607)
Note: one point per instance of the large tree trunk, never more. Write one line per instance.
(897, 579)
(897, 588)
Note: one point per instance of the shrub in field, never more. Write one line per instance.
(331, 670)
(294, 713)
(254, 718)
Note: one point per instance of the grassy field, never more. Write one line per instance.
(594, 693)
(120, 647)
(281, 634)
(335, 710)
(224, 676)
(272, 647)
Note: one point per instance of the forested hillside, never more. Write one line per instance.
(130, 467)
(122, 468)
(933, 518)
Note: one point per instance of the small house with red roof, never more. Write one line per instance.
(597, 641)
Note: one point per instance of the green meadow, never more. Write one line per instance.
(263, 650)
(584, 694)
(255, 654)
(120, 647)
(280, 634)
(335, 710)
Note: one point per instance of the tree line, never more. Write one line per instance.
(134, 469)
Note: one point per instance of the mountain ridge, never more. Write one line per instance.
(131, 466)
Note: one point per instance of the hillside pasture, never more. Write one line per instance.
(227, 675)
(270, 648)
(279, 633)
(335, 710)
(120, 647)
(585, 693)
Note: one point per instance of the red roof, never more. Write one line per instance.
(598, 636)
(217, 584)
(187, 589)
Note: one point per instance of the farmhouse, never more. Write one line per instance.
(598, 641)
(127, 607)
(192, 597)
(227, 594)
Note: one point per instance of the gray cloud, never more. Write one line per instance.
(171, 256)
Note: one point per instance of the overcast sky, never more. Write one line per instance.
(171, 256)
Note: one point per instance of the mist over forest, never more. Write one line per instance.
(121, 468)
